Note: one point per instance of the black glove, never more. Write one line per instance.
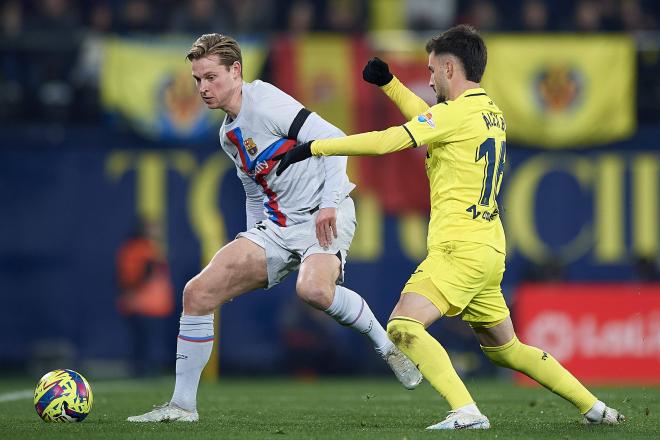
(377, 72)
(296, 154)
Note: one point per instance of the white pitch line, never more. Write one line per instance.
(104, 386)
(16, 395)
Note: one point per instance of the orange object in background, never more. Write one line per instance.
(602, 333)
(144, 279)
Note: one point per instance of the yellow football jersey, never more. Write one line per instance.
(466, 140)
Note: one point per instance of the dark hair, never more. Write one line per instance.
(465, 43)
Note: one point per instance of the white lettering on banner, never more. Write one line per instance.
(634, 336)
(553, 331)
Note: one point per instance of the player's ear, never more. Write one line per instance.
(449, 68)
(237, 70)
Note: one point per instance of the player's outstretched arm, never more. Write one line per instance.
(373, 143)
(297, 154)
(377, 72)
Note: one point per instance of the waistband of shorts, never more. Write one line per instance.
(455, 244)
(317, 207)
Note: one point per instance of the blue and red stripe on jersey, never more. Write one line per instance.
(281, 146)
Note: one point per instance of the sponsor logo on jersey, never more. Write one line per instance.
(428, 118)
(261, 167)
(250, 146)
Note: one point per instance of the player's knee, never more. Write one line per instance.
(402, 332)
(504, 356)
(198, 299)
(497, 358)
(315, 294)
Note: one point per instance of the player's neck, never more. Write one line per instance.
(233, 107)
(461, 87)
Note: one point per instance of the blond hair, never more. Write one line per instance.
(224, 46)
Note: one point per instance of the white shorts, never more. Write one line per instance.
(287, 247)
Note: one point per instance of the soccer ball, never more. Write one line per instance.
(63, 396)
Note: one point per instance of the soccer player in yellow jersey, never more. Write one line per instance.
(465, 133)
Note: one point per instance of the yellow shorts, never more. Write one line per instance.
(463, 278)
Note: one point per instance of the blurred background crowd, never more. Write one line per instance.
(49, 63)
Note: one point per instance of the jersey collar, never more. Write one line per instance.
(472, 92)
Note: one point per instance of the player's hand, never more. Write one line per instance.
(377, 72)
(326, 226)
(296, 154)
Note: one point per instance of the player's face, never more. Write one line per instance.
(439, 81)
(216, 84)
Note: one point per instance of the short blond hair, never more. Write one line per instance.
(224, 46)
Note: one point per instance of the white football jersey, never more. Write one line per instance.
(269, 123)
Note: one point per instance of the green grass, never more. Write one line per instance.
(331, 409)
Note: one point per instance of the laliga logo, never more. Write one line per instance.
(558, 88)
(427, 117)
(589, 336)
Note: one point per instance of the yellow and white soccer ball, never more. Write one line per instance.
(63, 396)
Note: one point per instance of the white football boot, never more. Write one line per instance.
(167, 412)
(601, 414)
(403, 368)
(462, 420)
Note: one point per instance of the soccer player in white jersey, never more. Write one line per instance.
(308, 222)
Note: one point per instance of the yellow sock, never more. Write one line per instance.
(414, 341)
(544, 369)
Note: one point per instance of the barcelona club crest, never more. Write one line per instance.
(250, 146)
(558, 89)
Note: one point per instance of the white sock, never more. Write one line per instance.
(596, 412)
(350, 309)
(470, 409)
(193, 349)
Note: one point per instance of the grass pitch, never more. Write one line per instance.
(328, 409)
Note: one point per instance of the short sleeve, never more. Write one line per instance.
(278, 109)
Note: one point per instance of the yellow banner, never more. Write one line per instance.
(563, 90)
(325, 79)
(150, 85)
